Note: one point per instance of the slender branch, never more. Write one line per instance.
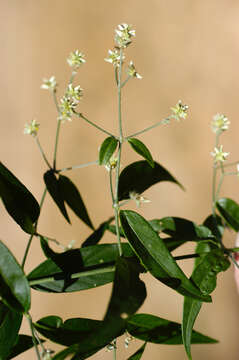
(32, 235)
(126, 80)
(93, 124)
(161, 122)
(111, 187)
(116, 76)
(214, 178)
(42, 152)
(230, 164)
(114, 349)
(28, 316)
(79, 166)
(189, 256)
(56, 142)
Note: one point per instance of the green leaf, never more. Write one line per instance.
(94, 262)
(97, 235)
(138, 354)
(153, 253)
(54, 190)
(142, 150)
(18, 201)
(156, 330)
(214, 223)
(191, 308)
(24, 342)
(14, 287)
(128, 292)
(68, 333)
(73, 198)
(107, 149)
(229, 210)
(139, 176)
(10, 322)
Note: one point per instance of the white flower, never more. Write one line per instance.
(49, 84)
(67, 107)
(219, 155)
(114, 57)
(124, 34)
(76, 59)
(138, 198)
(75, 93)
(220, 123)
(131, 71)
(31, 128)
(112, 163)
(179, 111)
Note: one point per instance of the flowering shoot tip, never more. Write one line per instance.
(49, 84)
(76, 59)
(179, 111)
(124, 34)
(219, 155)
(220, 123)
(31, 128)
(131, 71)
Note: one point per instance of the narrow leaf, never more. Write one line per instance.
(138, 354)
(142, 150)
(54, 190)
(229, 210)
(10, 322)
(156, 330)
(153, 253)
(73, 198)
(139, 176)
(97, 235)
(107, 149)
(18, 201)
(214, 223)
(14, 287)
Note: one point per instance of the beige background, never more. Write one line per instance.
(185, 50)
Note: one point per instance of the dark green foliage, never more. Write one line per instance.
(97, 235)
(54, 190)
(18, 201)
(142, 150)
(10, 322)
(139, 176)
(107, 149)
(138, 354)
(73, 199)
(14, 287)
(229, 210)
(155, 256)
(24, 342)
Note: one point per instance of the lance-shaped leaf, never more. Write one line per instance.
(94, 263)
(14, 287)
(107, 149)
(229, 210)
(54, 190)
(97, 235)
(142, 150)
(139, 176)
(138, 354)
(10, 322)
(156, 330)
(214, 223)
(66, 333)
(154, 254)
(204, 275)
(18, 201)
(73, 199)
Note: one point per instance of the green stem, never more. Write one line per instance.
(116, 76)
(114, 349)
(230, 164)
(42, 152)
(82, 274)
(111, 187)
(56, 143)
(32, 235)
(28, 316)
(79, 166)
(214, 178)
(164, 121)
(125, 82)
(93, 124)
(189, 256)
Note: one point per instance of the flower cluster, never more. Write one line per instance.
(124, 34)
(132, 71)
(75, 93)
(219, 155)
(76, 59)
(179, 111)
(31, 128)
(67, 107)
(114, 57)
(49, 84)
(220, 123)
(112, 163)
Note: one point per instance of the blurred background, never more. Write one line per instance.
(186, 50)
